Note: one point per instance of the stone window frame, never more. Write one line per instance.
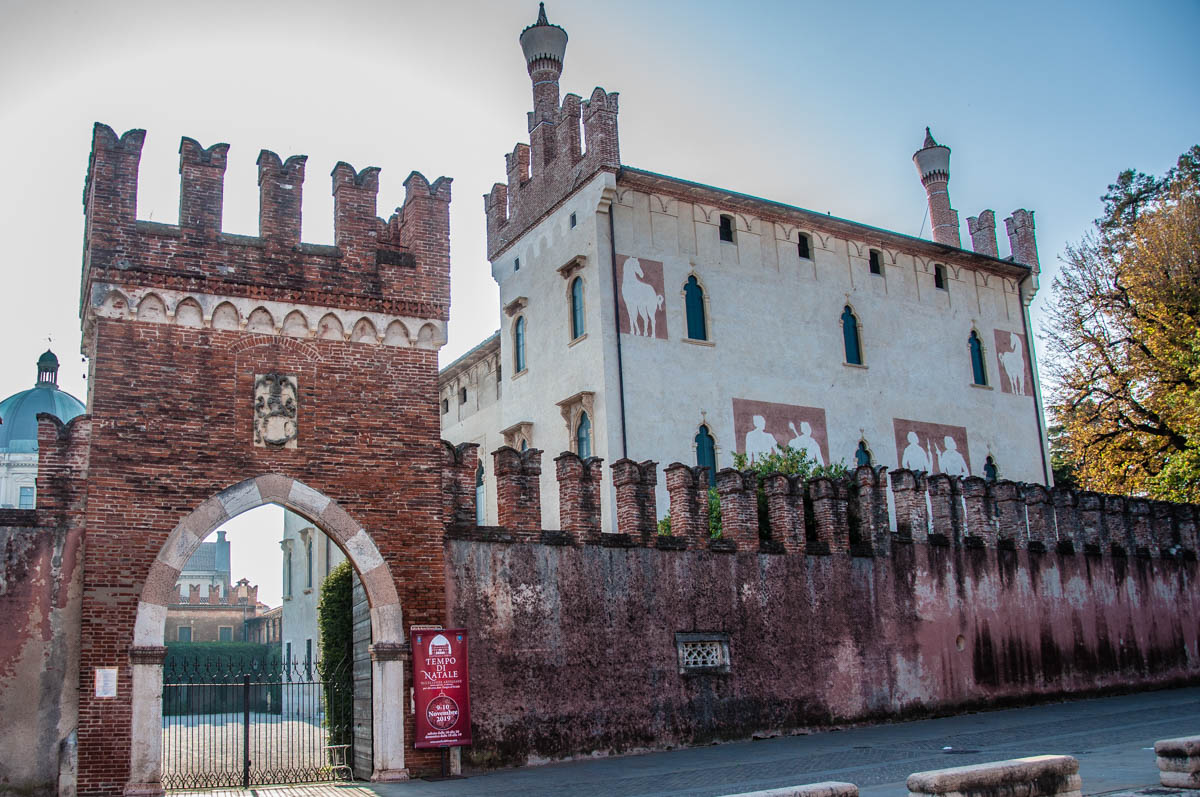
(571, 409)
(706, 307)
(983, 356)
(520, 432)
(683, 639)
(862, 347)
(287, 545)
(520, 346)
(571, 283)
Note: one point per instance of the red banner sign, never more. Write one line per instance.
(441, 687)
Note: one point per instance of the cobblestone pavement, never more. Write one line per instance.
(1112, 737)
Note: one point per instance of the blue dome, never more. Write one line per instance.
(18, 412)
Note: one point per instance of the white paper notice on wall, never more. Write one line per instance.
(106, 682)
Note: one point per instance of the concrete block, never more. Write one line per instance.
(1179, 762)
(828, 788)
(1035, 776)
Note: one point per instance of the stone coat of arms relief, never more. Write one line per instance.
(276, 411)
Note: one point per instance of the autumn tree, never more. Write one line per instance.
(1124, 338)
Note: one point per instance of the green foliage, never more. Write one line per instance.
(784, 459)
(335, 622)
(244, 654)
(206, 678)
(1124, 341)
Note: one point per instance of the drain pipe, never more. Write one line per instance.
(612, 252)
(1037, 386)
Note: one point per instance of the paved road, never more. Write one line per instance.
(1112, 738)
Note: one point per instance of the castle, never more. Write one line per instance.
(646, 316)
(229, 372)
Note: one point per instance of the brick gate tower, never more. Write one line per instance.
(232, 371)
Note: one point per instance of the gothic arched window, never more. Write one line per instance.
(863, 455)
(706, 454)
(977, 367)
(693, 299)
(583, 436)
(850, 336)
(576, 308)
(519, 345)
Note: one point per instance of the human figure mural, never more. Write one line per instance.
(932, 447)
(1014, 365)
(642, 310)
(804, 441)
(761, 426)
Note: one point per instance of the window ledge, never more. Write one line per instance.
(576, 340)
(520, 373)
(855, 365)
(981, 387)
(308, 591)
(697, 342)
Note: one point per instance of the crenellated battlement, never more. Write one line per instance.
(823, 516)
(395, 270)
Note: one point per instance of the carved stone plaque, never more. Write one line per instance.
(276, 411)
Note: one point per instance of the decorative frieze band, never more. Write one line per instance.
(239, 313)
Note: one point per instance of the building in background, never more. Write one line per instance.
(214, 615)
(208, 567)
(652, 317)
(18, 432)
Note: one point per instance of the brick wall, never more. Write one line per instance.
(172, 395)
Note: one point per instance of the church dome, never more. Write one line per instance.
(18, 412)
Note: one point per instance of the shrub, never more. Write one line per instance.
(335, 623)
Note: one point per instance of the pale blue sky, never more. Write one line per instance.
(816, 104)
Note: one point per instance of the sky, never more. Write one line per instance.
(819, 105)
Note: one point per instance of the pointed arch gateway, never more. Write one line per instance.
(387, 648)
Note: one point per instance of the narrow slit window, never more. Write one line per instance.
(576, 308)
(875, 261)
(583, 436)
(519, 345)
(479, 495)
(727, 228)
(939, 276)
(850, 337)
(805, 247)
(462, 395)
(979, 371)
(693, 299)
(574, 221)
(445, 406)
(863, 455)
(706, 454)
(517, 264)
(990, 471)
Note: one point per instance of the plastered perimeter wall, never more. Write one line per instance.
(573, 647)
(39, 656)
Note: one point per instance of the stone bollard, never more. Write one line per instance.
(1179, 762)
(827, 788)
(1037, 776)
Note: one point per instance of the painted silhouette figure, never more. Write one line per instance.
(642, 302)
(914, 457)
(759, 441)
(1012, 362)
(804, 441)
(951, 462)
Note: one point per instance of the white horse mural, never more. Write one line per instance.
(642, 302)
(1012, 362)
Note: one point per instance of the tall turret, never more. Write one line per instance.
(544, 46)
(933, 164)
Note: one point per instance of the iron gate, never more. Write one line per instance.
(239, 723)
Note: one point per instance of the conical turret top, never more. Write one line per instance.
(542, 41)
(933, 159)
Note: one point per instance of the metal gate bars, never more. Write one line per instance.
(229, 722)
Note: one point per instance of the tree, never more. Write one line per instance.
(335, 623)
(1124, 337)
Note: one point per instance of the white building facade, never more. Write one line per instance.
(721, 323)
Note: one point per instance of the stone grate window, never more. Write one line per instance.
(702, 653)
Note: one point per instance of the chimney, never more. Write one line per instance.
(933, 164)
